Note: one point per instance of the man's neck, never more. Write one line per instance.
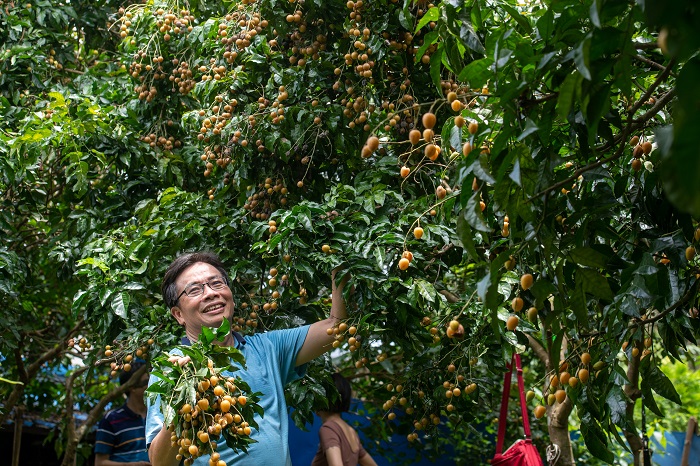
(228, 341)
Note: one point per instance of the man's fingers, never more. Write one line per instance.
(179, 360)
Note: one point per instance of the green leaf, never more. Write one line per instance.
(595, 440)
(464, 233)
(436, 66)
(477, 73)
(594, 283)
(588, 257)
(426, 290)
(649, 401)
(522, 21)
(581, 58)
(431, 15)
(568, 91)
(680, 165)
(595, 19)
(617, 402)
(654, 378)
(579, 304)
(120, 304)
(545, 24)
(472, 214)
(530, 127)
(470, 39)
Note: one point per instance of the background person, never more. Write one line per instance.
(196, 289)
(340, 445)
(120, 438)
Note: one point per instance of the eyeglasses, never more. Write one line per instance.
(197, 289)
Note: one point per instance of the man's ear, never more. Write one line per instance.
(177, 313)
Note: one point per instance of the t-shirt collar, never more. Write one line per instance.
(239, 339)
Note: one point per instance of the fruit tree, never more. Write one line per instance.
(497, 176)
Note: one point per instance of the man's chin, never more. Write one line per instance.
(216, 318)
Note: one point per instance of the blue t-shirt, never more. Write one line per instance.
(270, 361)
(120, 435)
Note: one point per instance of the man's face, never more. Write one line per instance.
(206, 310)
(140, 389)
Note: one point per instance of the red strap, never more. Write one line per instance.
(523, 402)
(502, 419)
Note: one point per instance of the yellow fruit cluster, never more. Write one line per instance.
(218, 408)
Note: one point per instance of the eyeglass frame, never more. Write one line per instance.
(202, 285)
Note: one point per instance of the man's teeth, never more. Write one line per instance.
(214, 308)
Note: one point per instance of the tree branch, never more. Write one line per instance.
(33, 368)
(539, 350)
(651, 63)
(632, 125)
(691, 293)
(650, 90)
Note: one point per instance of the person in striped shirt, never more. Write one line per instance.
(121, 439)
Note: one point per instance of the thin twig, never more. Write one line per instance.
(650, 90)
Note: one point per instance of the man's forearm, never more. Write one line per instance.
(162, 452)
(318, 341)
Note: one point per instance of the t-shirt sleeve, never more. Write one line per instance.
(329, 437)
(362, 452)
(104, 437)
(288, 343)
(154, 420)
(154, 416)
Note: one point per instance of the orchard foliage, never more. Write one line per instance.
(437, 152)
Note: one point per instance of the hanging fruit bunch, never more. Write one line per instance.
(202, 400)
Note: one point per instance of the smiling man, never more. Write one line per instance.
(196, 289)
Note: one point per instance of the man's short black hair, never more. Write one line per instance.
(124, 376)
(168, 288)
(344, 392)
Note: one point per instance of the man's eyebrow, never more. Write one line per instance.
(208, 279)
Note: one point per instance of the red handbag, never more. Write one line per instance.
(523, 452)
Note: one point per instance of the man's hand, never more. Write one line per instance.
(317, 340)
(179, 360)
(338, 289)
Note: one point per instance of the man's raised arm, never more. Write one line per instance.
(317, 340)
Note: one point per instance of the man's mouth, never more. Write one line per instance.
(213, 308)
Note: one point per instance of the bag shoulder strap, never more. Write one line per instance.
(523, 402)
(503, 417)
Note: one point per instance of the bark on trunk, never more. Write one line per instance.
(689, 433)
(633, 393)
(558, 414)
(559, 432)
(17, 442)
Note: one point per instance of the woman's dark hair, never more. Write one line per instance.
(344, 392)
(168, 288)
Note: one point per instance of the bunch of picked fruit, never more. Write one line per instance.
(202, 404)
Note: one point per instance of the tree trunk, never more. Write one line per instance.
(633, 393)
(17, 442)
(559, 432)
(689, 433)
(558, 414)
